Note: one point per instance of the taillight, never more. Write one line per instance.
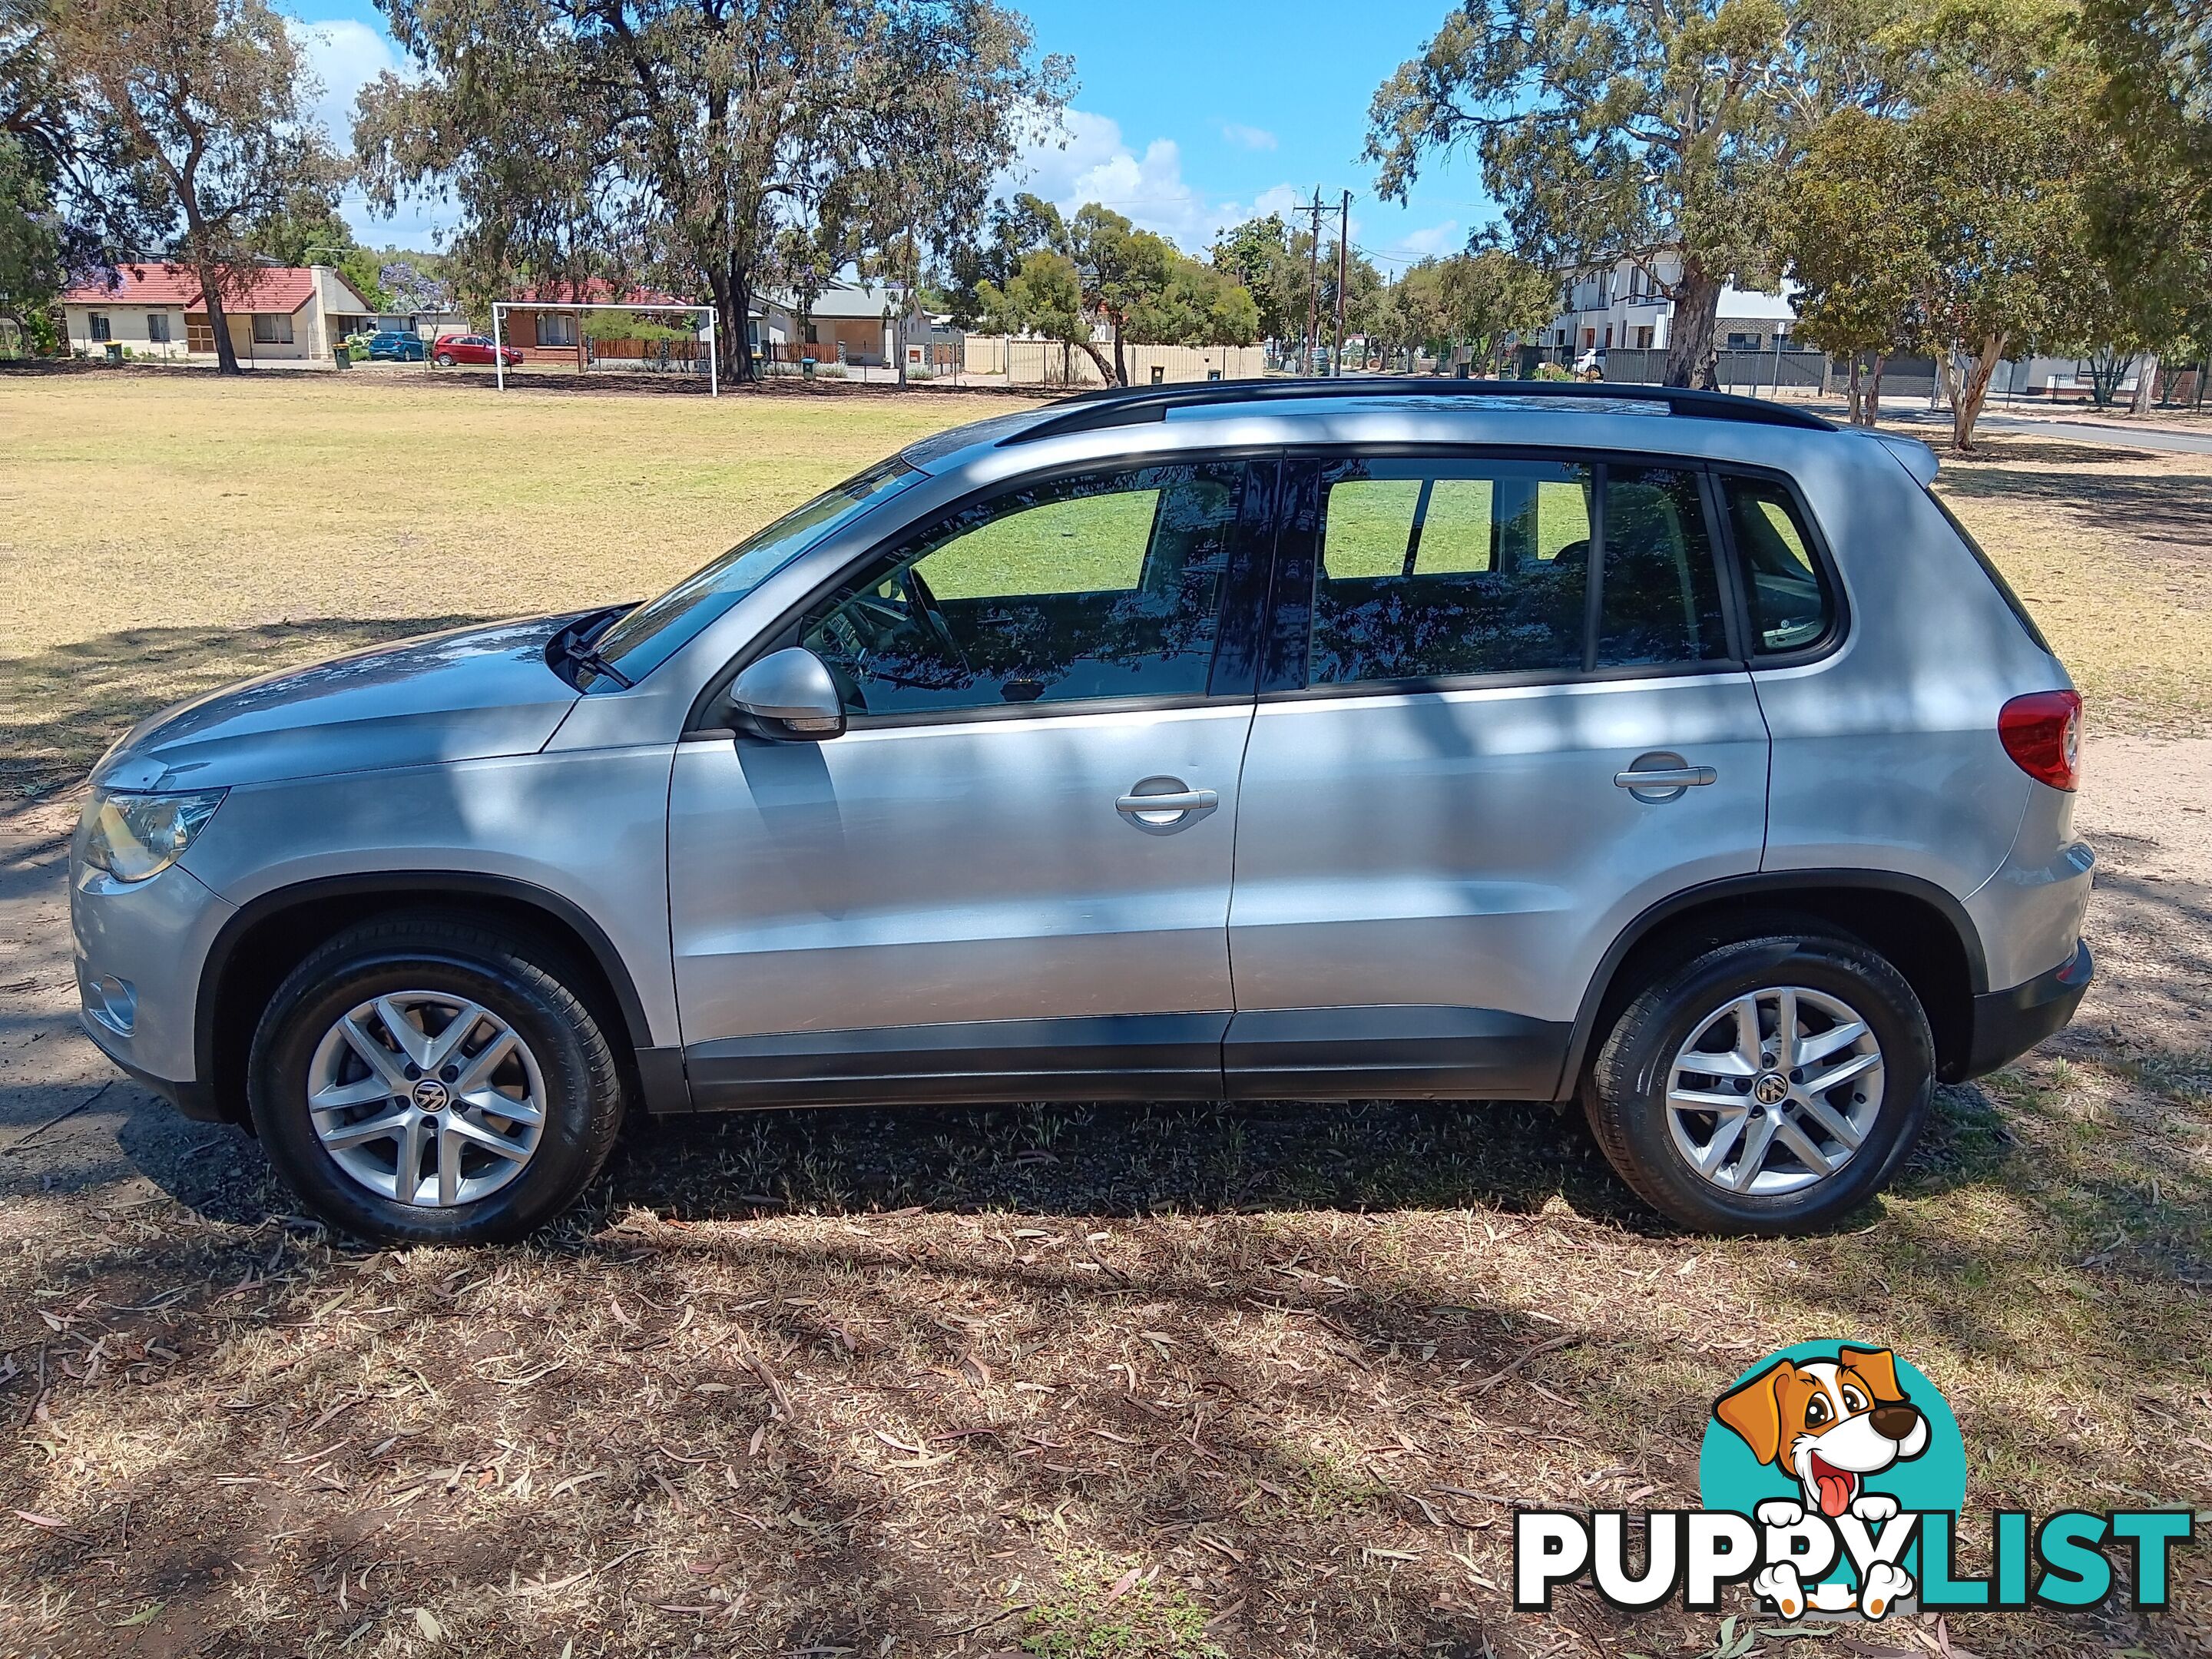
(2042, 733)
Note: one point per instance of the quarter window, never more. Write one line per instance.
(1104, 586)
(1791, 604)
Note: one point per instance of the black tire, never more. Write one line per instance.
(445, 360)
(519, 982)
(1624, 1095)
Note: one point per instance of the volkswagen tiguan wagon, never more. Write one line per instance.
(1673, 753)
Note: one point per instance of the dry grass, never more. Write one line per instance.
(163, 533)
(2111, 548)
(858, 1382)
(1083, 1381)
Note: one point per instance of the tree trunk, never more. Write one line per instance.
(745, 368)
(1098, 361)
(225, 354)
(1967, 400)
(1858, 402)
(1873, 393)
(1120, 367)
(1690, 357)
(2146, 383)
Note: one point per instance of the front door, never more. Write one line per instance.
(1503, 714)
(1012, 873)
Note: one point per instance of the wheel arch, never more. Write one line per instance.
(1922, 929)
(271, 934)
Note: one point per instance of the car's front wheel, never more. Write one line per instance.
(419, 1080)
(1767, 1086)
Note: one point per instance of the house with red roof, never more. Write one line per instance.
(275, 313)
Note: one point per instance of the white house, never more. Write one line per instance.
(1622, 305)
(274, 312)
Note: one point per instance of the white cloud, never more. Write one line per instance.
(1089, 160)
(344, 56)
(1246, 137)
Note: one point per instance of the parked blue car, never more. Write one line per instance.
(398, 346)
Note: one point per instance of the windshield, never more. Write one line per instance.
(657, 629)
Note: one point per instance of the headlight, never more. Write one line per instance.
(132, 836)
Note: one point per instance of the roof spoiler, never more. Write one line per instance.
(1918, 458)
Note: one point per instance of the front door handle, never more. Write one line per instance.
(1662, 776)
(1161, 804)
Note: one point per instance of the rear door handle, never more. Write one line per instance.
(1160, 805)
(1662, 776)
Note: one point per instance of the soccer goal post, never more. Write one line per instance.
(641, 322)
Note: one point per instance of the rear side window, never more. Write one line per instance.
(1434, 568)
(1660, 598)
(1792, 604)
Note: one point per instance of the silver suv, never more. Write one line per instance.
(1669, 752)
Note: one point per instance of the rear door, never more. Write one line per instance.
(1010, 876)
(1504, 710)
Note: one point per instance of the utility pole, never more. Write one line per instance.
(1313, 284)
(1343, 269)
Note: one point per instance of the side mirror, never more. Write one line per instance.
(789, 694)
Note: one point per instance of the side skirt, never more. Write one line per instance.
(1292, 1053)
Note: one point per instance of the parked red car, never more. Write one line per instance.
(471, 348)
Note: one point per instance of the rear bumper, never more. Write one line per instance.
(2007, 1023)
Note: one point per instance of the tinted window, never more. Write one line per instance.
(1660, 601)
(1790, 605)
(1434, 568)
(1430, 569)
(652, 633)
(1103, 587)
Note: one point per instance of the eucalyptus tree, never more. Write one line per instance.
(697, 137)
(1649, 130)
(206, 105)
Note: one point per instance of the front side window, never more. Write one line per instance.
(271, 328)
(1434, 569)
(1108, 585)
(641, 641)
(1791, 604)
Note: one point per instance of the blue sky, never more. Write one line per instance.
(1190, 114)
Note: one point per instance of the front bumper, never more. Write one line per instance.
(140, 948)
(2007, 1023)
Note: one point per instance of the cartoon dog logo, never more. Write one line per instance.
(1830, 1423)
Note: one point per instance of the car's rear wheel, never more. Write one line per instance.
(1767, 1086)
(424, 1081)
(445, 360)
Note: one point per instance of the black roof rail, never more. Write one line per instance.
(1092, 410)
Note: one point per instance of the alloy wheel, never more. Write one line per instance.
(426, 1098)
(1776, 1090)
